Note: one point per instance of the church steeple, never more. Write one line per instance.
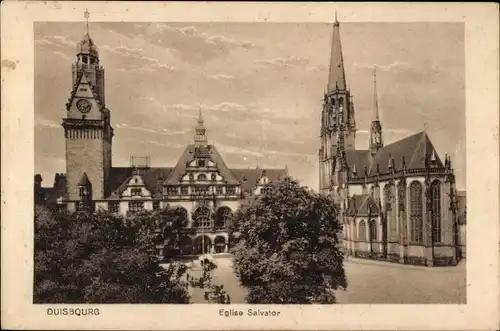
(376, 141)
(336, 77)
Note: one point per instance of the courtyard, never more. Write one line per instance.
(370, 282)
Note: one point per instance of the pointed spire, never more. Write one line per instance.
(86, 14)
(200, 116)
(376, 116)
(336, 78)
(286, 169)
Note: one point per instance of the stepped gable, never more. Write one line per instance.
(362, 205)
(153, 179)
(189, 155)
(414, 149)
(249, 178)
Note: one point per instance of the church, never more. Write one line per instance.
(397, 201)
(201, 183)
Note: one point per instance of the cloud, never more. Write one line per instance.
(289, 62)
(188, 42)
(161, 131)
(43, 122)
(57, 41)
(396, 66)
(137, 60)
(237, 150)
(220, 77)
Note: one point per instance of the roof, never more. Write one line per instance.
(336, 77)
(361, 205)
(249, 178)
(415, 149)
(153, 179)
(188, 155)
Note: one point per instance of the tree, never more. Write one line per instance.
(103, 258)
(286, 246)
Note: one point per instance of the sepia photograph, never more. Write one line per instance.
(219, 163)
(249, 166)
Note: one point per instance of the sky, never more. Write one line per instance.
(259, 85)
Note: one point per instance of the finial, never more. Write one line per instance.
(336, 21)
(86, 14)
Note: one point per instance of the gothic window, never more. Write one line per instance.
(184, 190)
(202, 177)
(402, 196)
(113, 207)
(373, 230)
(362, 231)
(436, 211)
(387, 198)
(156, 205)
(202, 218)
(416, 212)
(135, 206)
(135, 192)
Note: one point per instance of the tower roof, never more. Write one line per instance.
(376, 115)
(336, 77)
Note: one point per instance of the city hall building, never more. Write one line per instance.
(397, 201)
(200, 183)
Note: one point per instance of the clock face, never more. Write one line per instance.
(83, 105)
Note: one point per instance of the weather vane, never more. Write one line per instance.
(86, 14)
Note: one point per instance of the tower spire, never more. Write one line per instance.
(86, 14)
(376, 115)
(336, 78)
(376, 141)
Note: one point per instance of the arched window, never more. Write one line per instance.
(223, 217)
(373, 230)
(362, 231)
(202, 218)
(202, 177)
(436, 211)
(416, 212)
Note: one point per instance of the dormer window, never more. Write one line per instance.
(191, 177)
(201, 163)
(136, 192)
(213, 177)
(202, 177)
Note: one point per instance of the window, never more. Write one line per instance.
(184, 190)
(135, 206)
(436, 211)
(230, 190)
(202, 218)
(83, 89)
(362, 231)
(223, 217)
(113, 207)
(156, 205)
(373, 230)
(201, 163)
(172, 190)
(416, 212)
(264, 190)
(136, 192)
(213, 177)
(218, 189)
(202, 177)
(191, 177)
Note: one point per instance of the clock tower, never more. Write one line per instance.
(87, 127)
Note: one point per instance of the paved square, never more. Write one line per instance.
(372, 282)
